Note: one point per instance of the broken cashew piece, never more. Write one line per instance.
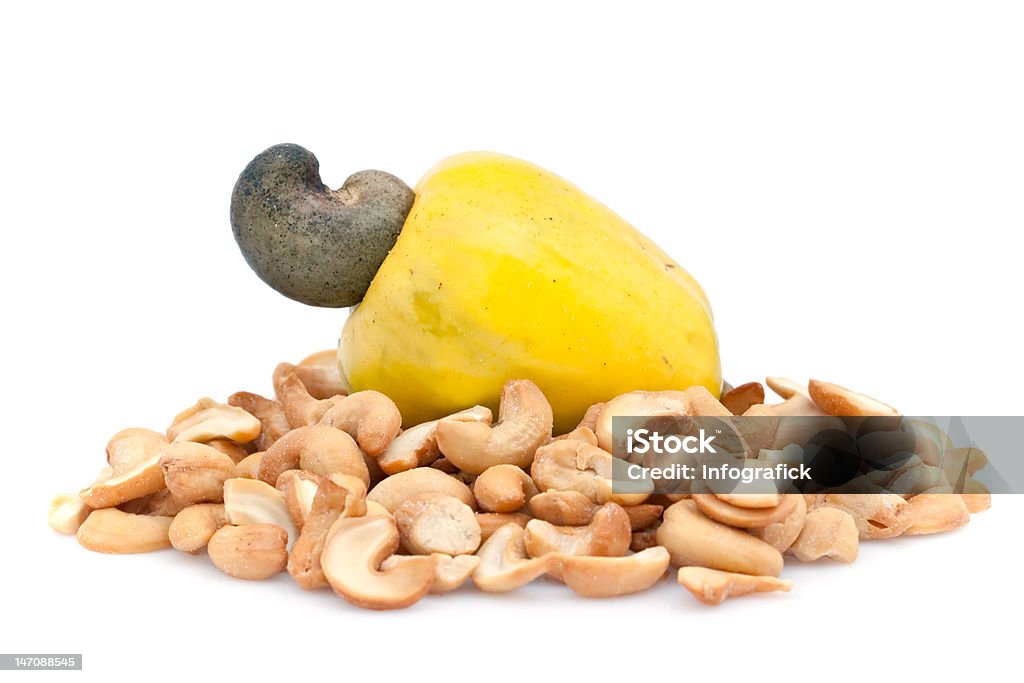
(637, 403)
(316, 448)
(563, 508)
(492, 521)
(300, 408)
(449, 572)
(143, 479)
(208, 419)
(609, 577)
(250, 501)
(607, 535)
(712, 586)
(504, 563)
(321, 375)
(933, 513)
(524, 425)
(435, 523)
(828, 532)
(577, 466)
(720, 510)
(503, 488)
(251, 551)
(354, 550)
(111, 531)
(369, 417)
(783, 533)
(336, 496)
(695, 540)
(398, 488)
(195, 472)
(884, 515)
(67, 512)
(840, 401)
(194, 526)
(299, 488)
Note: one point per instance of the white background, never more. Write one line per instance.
(843, 178)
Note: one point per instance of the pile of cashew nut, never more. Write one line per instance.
(328, 487)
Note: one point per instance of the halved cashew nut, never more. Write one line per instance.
(935, 513)
(208, 419)
(695, 540)
(67, 512)
(524, 425)
(435, 523)
(563, 508)
(398, 488)
(840, 401)
(503, 488)
(369, 417)
(355, 549)
(720, 510)
(712, 586)
(607, 535)
(504, 563)
(607, 577)
(316, 448)
(828, 532)
(577, 466)
(417, 446)
(112, 531)
(336, 496)
(194, 526)
(131, 447)
(251, 551)
(273, 422)
(781, 534)
(492, 521)
(195, 472)
(877, 516)
(250, 501)
(449, 572)
(786, 388)
(143, 479)
(299, 488)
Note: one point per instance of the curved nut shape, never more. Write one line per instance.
(840, 401)
(195, 472)
(608, 577)
(504, 564)
(398, 488)
(273, 422)
(67, 512)
(336, 496)
(712, 586)
(435, 523)
(317, 448)
(607, 535)
(503, 488)
(695, 540)
(112, 531)
(299, 488)
(417, 446)
(208, 419)
(143, 479)
(354, 550)
(449, 572)
(253, 551)
(194, 526)
(300, 408)
(524, 425)
(250, 501)
(578, 466)
(637, 403)
(719, 510)
(369, 417)
(828, 532)
(131, 447)
(321, 375)
(782, 534)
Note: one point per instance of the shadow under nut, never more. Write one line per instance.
(315, 245)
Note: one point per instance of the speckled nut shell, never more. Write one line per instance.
(318, 246)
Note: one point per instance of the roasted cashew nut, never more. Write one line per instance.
(524, 425)
(577, 466)
(369, 417)
(503, 488)
(317, 448)
(607, 535)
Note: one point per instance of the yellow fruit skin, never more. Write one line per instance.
(506, 271)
